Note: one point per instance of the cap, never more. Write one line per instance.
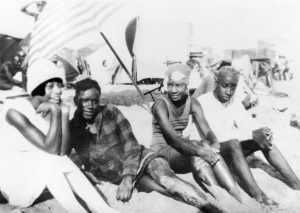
(40, 71)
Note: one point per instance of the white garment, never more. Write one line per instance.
(195, 79)
(231, 122)
(25, 168)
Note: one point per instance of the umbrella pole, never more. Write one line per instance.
(126, 70)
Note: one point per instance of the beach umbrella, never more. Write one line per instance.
(69, 23)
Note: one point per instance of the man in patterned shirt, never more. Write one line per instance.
(108, 149)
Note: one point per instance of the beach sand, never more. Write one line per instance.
(270, 112)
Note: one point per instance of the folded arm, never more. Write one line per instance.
(51, 142)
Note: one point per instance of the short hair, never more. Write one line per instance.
(227, 70)
(86, 84)
(192, 62)
(41, 89)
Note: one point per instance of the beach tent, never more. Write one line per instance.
(9, 46)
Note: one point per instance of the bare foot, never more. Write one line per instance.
(265, 200)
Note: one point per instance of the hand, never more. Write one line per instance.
(65, 109)
(263, 137)
(124, 190)
(47, 107)
(209, 154)
(216, 147)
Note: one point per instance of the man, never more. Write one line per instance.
(7, 71)
(171, 113)
(240, 135)
(244, 93)
(33, 134)
(108, 149)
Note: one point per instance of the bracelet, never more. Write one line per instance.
(214, 163)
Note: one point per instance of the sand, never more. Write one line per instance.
(272, 111)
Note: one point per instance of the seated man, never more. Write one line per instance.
(244, 93)
(7, 71)
(240, 135)
(171, 114)
(108, 149)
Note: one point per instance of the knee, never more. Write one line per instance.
(231, 147)
(233, 144)
(159, 167)
(198, 164)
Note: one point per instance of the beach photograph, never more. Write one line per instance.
(149, 106)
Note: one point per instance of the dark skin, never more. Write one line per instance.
(51, 142)
(207, 149)
(235, 152)
(8, 69)
(158, 176)
(184, 146)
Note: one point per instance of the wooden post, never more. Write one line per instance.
(126, 70)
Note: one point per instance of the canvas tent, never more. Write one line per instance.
(9, 46)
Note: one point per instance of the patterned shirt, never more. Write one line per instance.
(108, 148)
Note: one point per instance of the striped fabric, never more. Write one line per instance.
(63, 21)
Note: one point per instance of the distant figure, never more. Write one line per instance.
(39, 8)
(7, 71)
(195, 76)
(240, 136)
(113, 70)
(265, 72)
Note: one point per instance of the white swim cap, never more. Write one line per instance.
(40, 71)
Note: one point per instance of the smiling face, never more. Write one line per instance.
(87, 102)
(226, 84)
(53, 90)
(177, 90)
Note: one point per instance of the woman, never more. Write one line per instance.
(35, 135)
(170, 117)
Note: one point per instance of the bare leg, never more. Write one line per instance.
(276, 159)
(234, 156)
(148, 184)
(219, 174)
(226, 180)
(160, 171)
(60, 189)
(84, 189)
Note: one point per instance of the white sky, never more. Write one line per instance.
(218, 23)
(239, 18)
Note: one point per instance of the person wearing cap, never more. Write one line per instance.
(171, 114)
(105, 143)
(243, 94)
(240, 135)
(32, 148)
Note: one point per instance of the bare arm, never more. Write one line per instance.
(52, 141)
(66, 143)
(201, 123)
(160, 111)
